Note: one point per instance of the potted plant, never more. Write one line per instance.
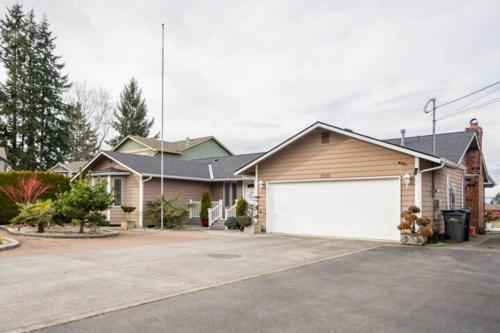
(127, 224)
(206, 203)
(414, 229)
(490, 217)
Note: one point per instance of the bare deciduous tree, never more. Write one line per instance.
(95, 103)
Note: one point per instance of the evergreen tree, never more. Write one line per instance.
(33, 118)
(14, 54)
(131, 114)
(83, 141)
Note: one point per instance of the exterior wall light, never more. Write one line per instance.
(261, 185)
(407, 179)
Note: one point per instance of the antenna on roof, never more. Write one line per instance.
(433, 110)
(162, 98)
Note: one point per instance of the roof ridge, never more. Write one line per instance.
(429, 135)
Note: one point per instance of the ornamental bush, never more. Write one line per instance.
(9, 209)
(206, 203)
(241, 207)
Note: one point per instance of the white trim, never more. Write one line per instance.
(330, 179)
(448, 199)
(210, 171)
(418, 184)
(468, 145)
(108, 186)
(112, 173)
(108, 156)
(133, 139)
(197, 179)
(55, 166)
(343, 132)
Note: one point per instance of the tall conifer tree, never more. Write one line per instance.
(83, 139)
(34, 118)
(131, 114)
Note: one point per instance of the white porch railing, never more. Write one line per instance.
(194, 210)
(215, 213)
(230, 212)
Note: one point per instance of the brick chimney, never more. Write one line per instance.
(474, 180)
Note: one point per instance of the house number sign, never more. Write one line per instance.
(325, 175)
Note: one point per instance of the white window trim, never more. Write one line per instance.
(121, 191)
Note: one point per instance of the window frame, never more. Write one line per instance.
(114, 191)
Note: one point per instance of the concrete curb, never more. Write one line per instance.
(103, 234)
(126, 305)
(12, 244)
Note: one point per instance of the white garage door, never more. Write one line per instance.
(365, 208)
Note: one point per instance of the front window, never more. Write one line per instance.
(117, 191)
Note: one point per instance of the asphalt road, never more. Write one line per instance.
(388, 289)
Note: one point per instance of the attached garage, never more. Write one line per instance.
(357, 208)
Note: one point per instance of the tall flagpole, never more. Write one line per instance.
(161, 136)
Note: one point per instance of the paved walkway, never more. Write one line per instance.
(50, 281)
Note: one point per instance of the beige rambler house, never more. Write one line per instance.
(192, 166)
(324, 180)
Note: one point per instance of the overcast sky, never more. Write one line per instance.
(253, 73)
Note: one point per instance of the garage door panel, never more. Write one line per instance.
(368, 208)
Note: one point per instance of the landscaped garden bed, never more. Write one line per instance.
(8, 243)
(61, 232)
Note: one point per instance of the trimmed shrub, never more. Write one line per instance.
(9, 209)
(241, 207)
(206, 203)
(243, 221)
(232, 223)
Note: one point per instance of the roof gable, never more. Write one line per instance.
(346, 132)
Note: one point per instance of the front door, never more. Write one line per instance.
(249, 190)
(229, 193)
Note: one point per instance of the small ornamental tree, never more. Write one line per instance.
(84, 203)
(39, 213)
(26, 190)
(410, 221)
(241, 207)
(206, 203)
(174, 214)
(127, 210)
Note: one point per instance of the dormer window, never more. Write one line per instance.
(325, 137)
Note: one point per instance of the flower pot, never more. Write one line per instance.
(413, 239)
(127, 225)
(204, 223)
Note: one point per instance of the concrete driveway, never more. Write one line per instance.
(46, 282)
(387, 289)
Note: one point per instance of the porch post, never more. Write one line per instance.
(141, 202)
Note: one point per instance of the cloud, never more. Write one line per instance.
(253, 73)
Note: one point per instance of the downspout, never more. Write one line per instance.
(433, 186)
(141, 200)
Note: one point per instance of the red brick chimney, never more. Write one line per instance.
(474, 181)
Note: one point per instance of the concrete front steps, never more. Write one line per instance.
(218, 225)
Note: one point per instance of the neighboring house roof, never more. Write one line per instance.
(210, 169)
(349, 133)
(3, 154)
(224, 167)
(172, 147)
(451, 146)
(72, 167)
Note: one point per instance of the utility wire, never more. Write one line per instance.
(467, 107)
(468, 95)
(474, 107)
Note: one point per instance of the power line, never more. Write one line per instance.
(467, 107)
(468, 95)
(474, 107)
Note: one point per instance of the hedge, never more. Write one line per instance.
(9, 209)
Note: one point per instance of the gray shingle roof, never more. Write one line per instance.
(448, 145)
(74, 166)
(222, 167)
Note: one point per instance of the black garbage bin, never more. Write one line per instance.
(467, 213)
(454, 222)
